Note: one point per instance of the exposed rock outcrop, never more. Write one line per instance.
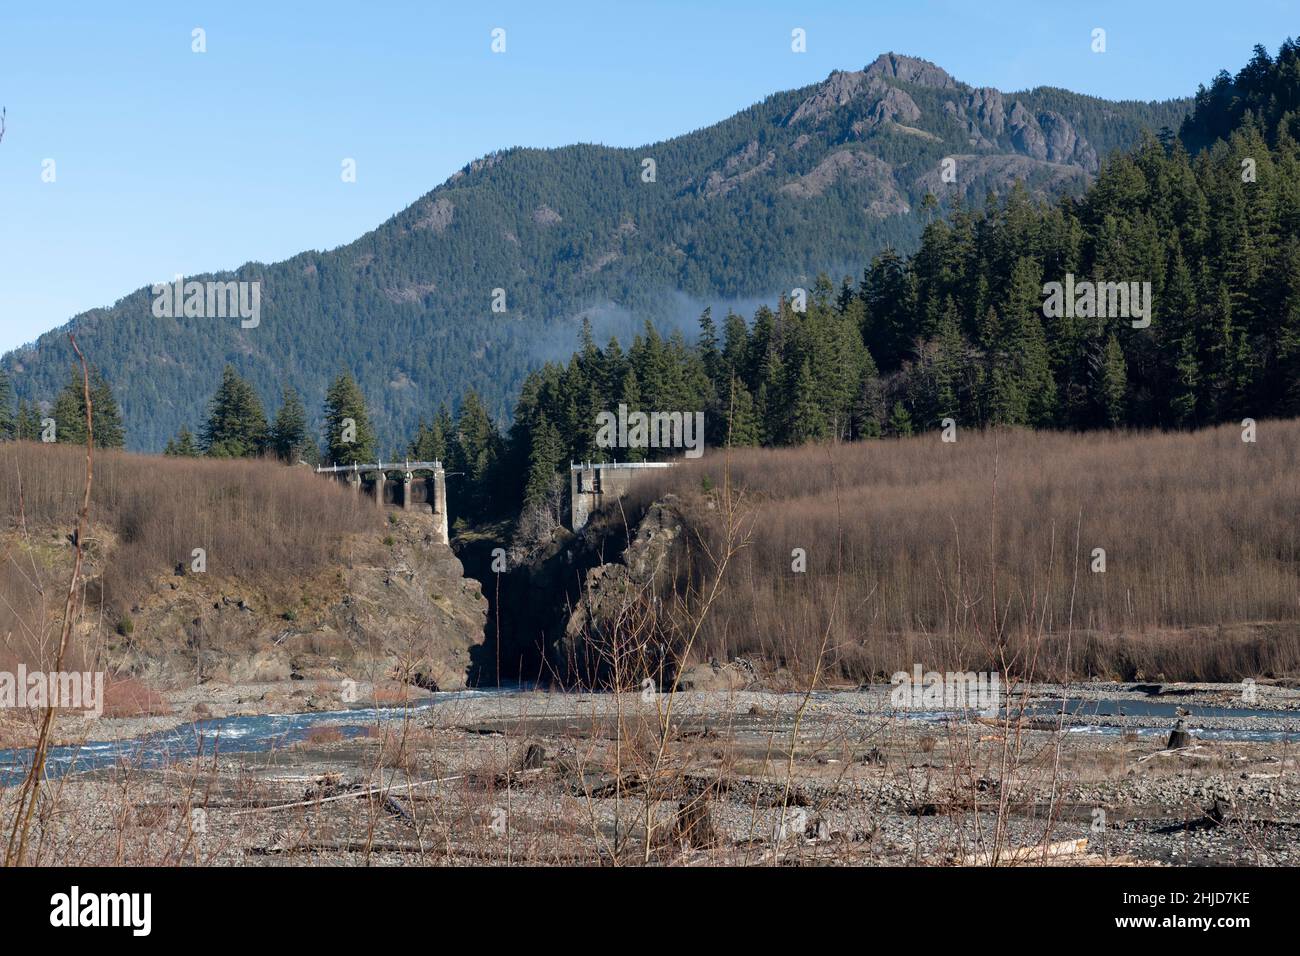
(893, 105)
(1064, 144)
(1047, 137)
(850, 164)
(838, 90)
(410, 293)
(435, 215)
(985, 105)
(910, 69)
(737, 169)
(983, 115)
(1026, 134)
(621, 598)
(399, 608)
(544, 215)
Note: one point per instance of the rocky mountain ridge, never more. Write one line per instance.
(811, 180)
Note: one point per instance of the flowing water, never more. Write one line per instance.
(264, 732)
(218, 735)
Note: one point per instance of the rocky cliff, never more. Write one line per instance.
(398, 607)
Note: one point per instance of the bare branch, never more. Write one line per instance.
(17, 848)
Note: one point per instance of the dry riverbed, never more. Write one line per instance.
(741, 777)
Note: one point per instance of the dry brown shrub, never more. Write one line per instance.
(129, 697)
(903, 550)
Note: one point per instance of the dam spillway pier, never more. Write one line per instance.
(592, 485)
(417, 485)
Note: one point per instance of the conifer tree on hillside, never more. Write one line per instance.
(28, 421)
(8, 421)
(290, 439)
(959, 329)
(774, 402)
(1265, 87)
(1287, 369)
(349, 438)
(630, 395)
(807, 417)
(474, 452)
(474, 444)
(740, 425)
(735, 348)
(69, 412)
(900, 421)
(1113, 384)
(236, 425)
(183, 445)
(707, 346)
(888, 294)
(430, 442)
(545, 461)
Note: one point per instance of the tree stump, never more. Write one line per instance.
(534, 757)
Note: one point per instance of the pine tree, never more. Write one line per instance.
(1027, 345)
(474, 451)
(888, 294)
(1186, 382)
(1224, 353)
(773, 406)
(937, 376)
(1004, 399)
(1180, 365)
(440, 433)
(1114, 384)
(183, 445)
(69, 412)
(236, 426)
(735, 348)
(544, 462)
(807, 418)
(900, 421)
(430, 443)
(8, 423)
(868, 411)
(1034, 368)
(349, 439)
(741, 424)
(707, 346)
(1287, 389)
(474, 441)
(29, 421)
(289, 436)
(630, 395)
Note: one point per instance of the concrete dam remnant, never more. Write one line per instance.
(408, 490)
(592, 485)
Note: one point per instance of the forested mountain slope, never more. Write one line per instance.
(809, 180)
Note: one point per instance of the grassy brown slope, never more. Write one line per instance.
(302, 578)
(905, 540)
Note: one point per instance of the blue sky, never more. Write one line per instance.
(172, 161)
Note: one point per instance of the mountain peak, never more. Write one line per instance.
(824, 176)
(910, 69)
(842, 86)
